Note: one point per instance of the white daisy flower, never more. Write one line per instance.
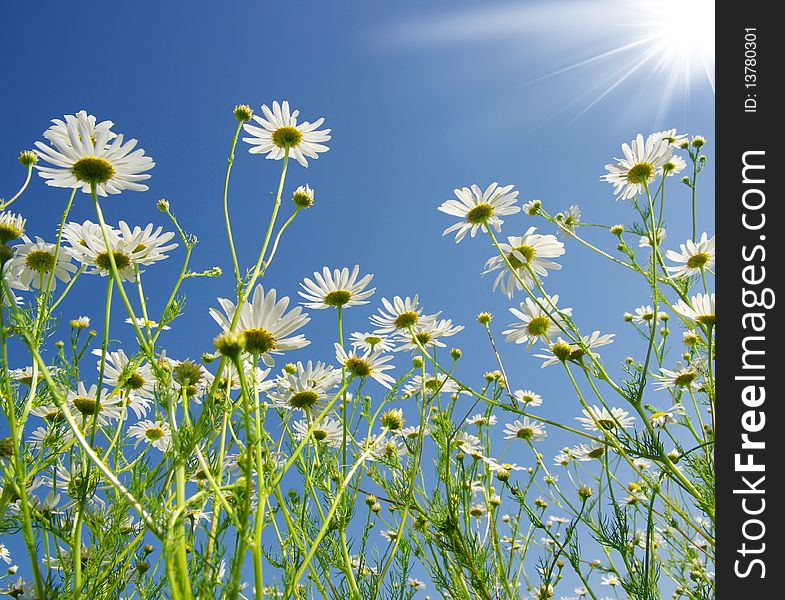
(702, 308)
(416, 584)
(307, 389)
(265, 324)
(254, 376)
(12, 226)
(138, 384)
(441, 383)
(481, 420)
(684, 378)
(388, 448)
(468, 444)
(84, 154)
(585, 453)
(641, 163)
(659, 419)
(562, 458)
(598, 418)
(611, 580)
(412, 432)
(426, 333)
(569, 220)
(130, 248)
(143, 323)
(528, 398)
(106, 408)
(280, 132)
(675, 165)
(693, 257)
(496, 465)
(672, 137)
(526, 430)
(33, 263)
(645, 240)
(401, 313)
(49, 438)
(534, 323)
(154, 433)
(476, 208)
(368, 364)
(370, 341)
(644, 315)
(336, 289)
(530, 252)
(328, 430)
(390, 535)
(5, 555)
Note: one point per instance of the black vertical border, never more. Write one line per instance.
(738, 130)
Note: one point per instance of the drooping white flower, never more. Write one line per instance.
(683, 378)
(280, 132)
(661, 418)
(702, 308)
(476, 208)
(530, 252)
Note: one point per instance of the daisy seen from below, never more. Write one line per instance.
(138, 383)
(338, 288)
(643, 160)
(12, 226)
(307, 388)
(645, 241)
(671, 136)
(441, 384)
(684, 378)
(267, 327)
(702, 308)
(400, 313)
(370, 341)
(426, 334)
(568, 220)
(104, 408)
(529, 256)
(661, 418)
(34, 262)
(368, 364)
(82, 154)
(535, 323)
(598, 418)
(476, 208)
(328, 430)
(154, 433)
(693, 257)
(278, 133)
(528, 398)
(526, 430)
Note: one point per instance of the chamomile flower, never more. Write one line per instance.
(279, 134)
(5, 555)
(386, 448)
(468, 444)
(675, 165)
(34, 262)
(684, 378)
(12, 226)
(50, 438)
(265, 324)
(693, 257)
(672, 137)
(610, 580)
(644, 315)
(143, 323)
(328, 431)
(399, 314)
(537, 320)
(136, 380)
(529, 255)
(525, 430)
(426, 333)
(149, 244)
(527, 398)
(90, 405)
(82, 154)
(661, 418)
(598, 418)
(440, 383)
(587, 452)
(307, 388)
(569, 220)
(339, 288)
(481, 420)
(642, 161)
(368, 364)
(476, 208)
(646, 238)
(154, 433)
(702, 308)
(370, 341)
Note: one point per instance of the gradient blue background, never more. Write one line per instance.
(421, 99)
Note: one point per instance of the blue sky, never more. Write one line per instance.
(421, 99)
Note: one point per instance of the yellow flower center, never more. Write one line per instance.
(287, 137)
(93, 170)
